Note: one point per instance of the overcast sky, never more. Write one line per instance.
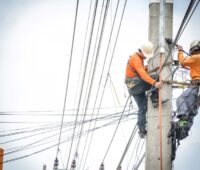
(35, 48)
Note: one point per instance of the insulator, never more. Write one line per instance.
(119, 168)
(56, 164)
(101, 167)
(73, 164)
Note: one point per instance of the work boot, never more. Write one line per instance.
(182, 129)
(183, 123)
(142, 133)
(155, 103)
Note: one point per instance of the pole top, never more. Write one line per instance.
(158, 1)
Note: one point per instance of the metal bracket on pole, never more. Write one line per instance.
(176, 82)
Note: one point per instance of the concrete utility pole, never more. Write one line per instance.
(158, 151)
(1, 158)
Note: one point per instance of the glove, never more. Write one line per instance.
(180, 48)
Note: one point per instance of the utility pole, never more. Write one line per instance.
(1, 158)
(158, 151)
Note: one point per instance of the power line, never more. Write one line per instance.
(68, 75)
(44, 149)
(88, 50)
(115, 132)
(101, 98)
(100, 80)
(42, 112)
(95, 64)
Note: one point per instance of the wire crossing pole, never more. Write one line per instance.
(158, 151)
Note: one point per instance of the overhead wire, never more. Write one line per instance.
(68, 75)
(112, 84)
(90, 75)
(138, 152)
(98, 88)
(133, 151)
(182, 27)
(111, 141)
(86, 62)
(101, 98)
(128, 145)
(23, 113)
(95, 64)
(14, 150)
(49, 136)
(84, 44)
(41, 150)
(105, 58)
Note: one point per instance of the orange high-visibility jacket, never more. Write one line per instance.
(193, 62)
(135, 66)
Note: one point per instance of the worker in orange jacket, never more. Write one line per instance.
(188, 102)
(138, 81)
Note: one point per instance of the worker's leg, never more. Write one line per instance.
(187, 107)
(141, 101)
(187, 103)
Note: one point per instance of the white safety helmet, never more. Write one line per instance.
(195, 45)
(147, 49)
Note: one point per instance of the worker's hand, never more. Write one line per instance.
(158, 84)
(179, 47)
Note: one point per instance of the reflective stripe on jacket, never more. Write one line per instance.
(136, 65)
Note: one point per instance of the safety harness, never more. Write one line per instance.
(180, 131)
(130, 81)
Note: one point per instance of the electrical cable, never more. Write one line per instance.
(90, 75)
(108, 69)
(68, 75)
(128, 145)
(109, 41)
(88, 50)
(44, 149)
(96, 61)
(115, 131)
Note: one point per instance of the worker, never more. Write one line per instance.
(139, 81)
(188, 102)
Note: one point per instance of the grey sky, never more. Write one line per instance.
(34, 54)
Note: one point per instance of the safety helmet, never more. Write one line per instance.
(195, 45)
(147, 49)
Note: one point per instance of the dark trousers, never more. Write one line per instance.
(139, 94)
(187, 104)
